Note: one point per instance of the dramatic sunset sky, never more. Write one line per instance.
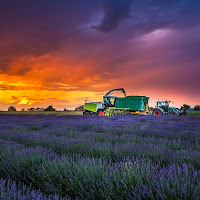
(61, 52)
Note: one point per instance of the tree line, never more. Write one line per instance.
(49, 108)
(81, 108)
(187, 107)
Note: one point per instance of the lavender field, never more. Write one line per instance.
(121, 157)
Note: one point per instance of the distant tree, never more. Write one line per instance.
(197, 108)
(22, 109)
(39, 109)
(11, 108)
(31, 109)
(65, 109)
(185, 107)
(79, 108)
(50, 108)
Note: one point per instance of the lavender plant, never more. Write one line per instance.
(120, 157)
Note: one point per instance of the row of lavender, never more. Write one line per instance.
(10, 190)
(122, 157)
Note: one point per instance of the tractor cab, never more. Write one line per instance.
(163, 104)
(109, 101)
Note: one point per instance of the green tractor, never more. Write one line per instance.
(164, 108)
(126, 104)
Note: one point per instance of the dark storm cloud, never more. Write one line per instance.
(34, 28)
(175, 14)
(114, 12)
(142, 16)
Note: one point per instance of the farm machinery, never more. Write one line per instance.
(164, 108)
(110, 104)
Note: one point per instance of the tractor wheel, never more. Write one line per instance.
(157, 112)
(173, 113)
(100, 113)
(86, 114)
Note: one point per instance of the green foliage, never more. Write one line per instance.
(185, 106)
(197, 108)
(194, 112)
(114, 112)
(151, 109)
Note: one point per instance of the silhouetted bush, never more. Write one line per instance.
(185, 107)
(50, 108)
(11, 108)
(197, 108)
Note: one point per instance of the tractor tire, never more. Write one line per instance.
(157, 112)
(100, 113)
(173, 113)
(86, 114)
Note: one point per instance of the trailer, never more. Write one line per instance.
(134, 104)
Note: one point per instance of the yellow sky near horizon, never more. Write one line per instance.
(34, 98)
(61, 99)
(50, 81)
